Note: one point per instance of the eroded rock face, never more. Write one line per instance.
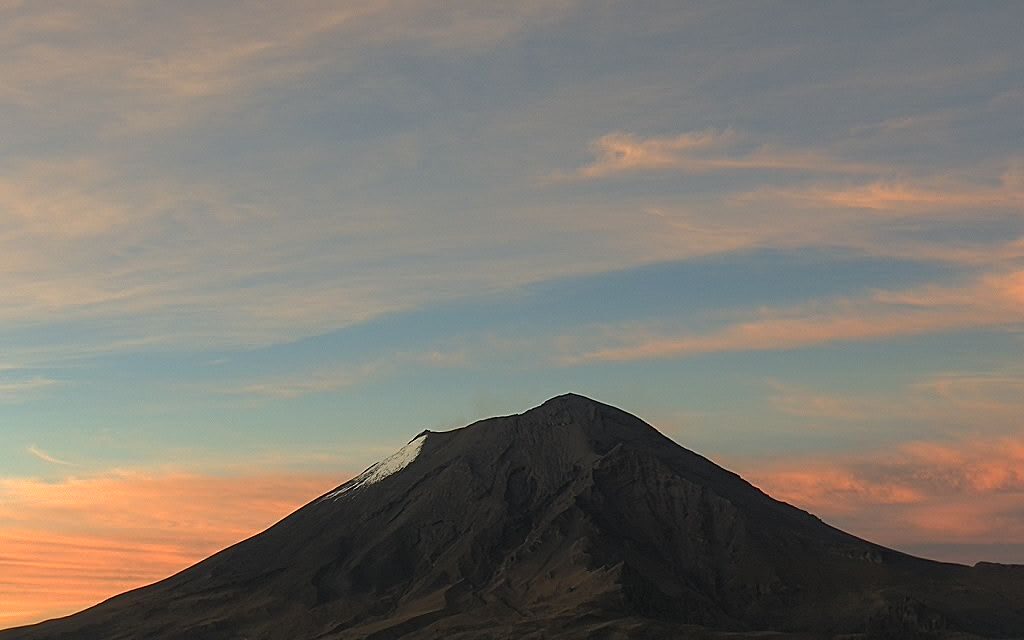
(572, 520)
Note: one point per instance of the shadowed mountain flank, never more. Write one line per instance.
(571, 520)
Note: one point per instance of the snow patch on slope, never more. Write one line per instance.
(392, 464)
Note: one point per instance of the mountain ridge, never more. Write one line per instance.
(572, 519)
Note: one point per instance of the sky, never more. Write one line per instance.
(249, 248)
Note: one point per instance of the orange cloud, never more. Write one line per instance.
(967, 491)
(939, 196)
(991, 301)
(69, 544)
(700, 152)
(881, 196)
(620, 152)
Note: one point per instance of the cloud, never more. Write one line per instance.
(80, 198)
(919, 492)
(807, 403)
(152, 261)
(992, 301)
(174, 67)
(168, 237)
(987, 388)
(939, 197)
(622, 152)
(192, 264)
(324, 381)
(947, 478)
(926, 122)
(953, 403)
(71, 543)
(314, 382)
(703, 152)
(45, 457)
(16, 390)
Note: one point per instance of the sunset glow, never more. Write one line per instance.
(69, 544)
(249, 248)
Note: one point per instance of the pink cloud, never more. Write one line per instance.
(701, 152)
(69, 544)
(938, 196)
(992, 301)
(922, 492)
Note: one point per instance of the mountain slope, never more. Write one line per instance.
(574, 519)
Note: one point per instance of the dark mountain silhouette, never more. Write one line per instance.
(572, 520)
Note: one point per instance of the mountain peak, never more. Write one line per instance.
(596, 418)
(577, 401)
(572, 398)
(573, 519)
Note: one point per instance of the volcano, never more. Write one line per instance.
(571, 520)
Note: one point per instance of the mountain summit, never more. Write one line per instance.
(571, 520)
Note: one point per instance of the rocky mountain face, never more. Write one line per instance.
(572, 520)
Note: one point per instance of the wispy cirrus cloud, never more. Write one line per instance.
(800, 401)
(704, 151)
(16, 390)
(938, 197)
(173, 257)
(46, 457)
(950, 402)
(997, 395)
(289, 387)
(991, 301)
(145, 81)
(334, 379)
